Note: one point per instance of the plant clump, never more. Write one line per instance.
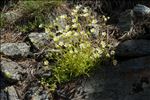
(79, 43)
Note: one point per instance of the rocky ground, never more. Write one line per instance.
(128, 80)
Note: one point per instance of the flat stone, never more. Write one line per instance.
(133, 48)
(135, 64)
(39, 40)
(15, 49)
(11, 70)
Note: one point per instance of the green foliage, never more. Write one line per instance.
(81, 42)
(33, 12)
(37, 12)
(2, 20)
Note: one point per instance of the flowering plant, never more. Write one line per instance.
(81, 42)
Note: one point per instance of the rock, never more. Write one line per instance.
(3, 95)
(12, 94)
(126, 21)
(43, 74)
(110, 84)
(37, 93)
(141, 10)
(12, 16)
(9, 93)
(39, 40)
(15, 49)
(133, 48)
(11, 70)
(135, 64)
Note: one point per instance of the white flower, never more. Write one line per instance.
(99, 50)
(71, 51)
(75, 11)
(61, 43)
(67, 27)
(114, 62)
(103, 44)
(104, 33)
(82, 45)
(82, 32)
(69, 33)
(63, 16)
(85, 10)
(105, 19)
(74, 20)
(107, 55)
(75, 25)
(47, 30)
(66, 45)
(96, 55)
(86, 14)
(112, 52)
(76, 51)
(46, 62)
(78, 7)
(41, 25)
(57, 46)
(92, 30)
(56, 39)
(94, 21)
(76, 34)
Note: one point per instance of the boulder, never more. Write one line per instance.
(11, 70)
(15, 49)
(110, 84)
(141, 10)
(136, 64)
(133, 48)
(39, 40)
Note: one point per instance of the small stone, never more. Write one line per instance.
(15, 49)
(11, 70)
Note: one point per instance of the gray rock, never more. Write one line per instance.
(126, 21)
(141, 10)
(37, 93)
(39, 40)
(15, 49)
(3, 95)
(133, 48)
(135, 64)
(12, 16)
(11, 70)
(111, 84)
(12, 94)
(9, 93)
